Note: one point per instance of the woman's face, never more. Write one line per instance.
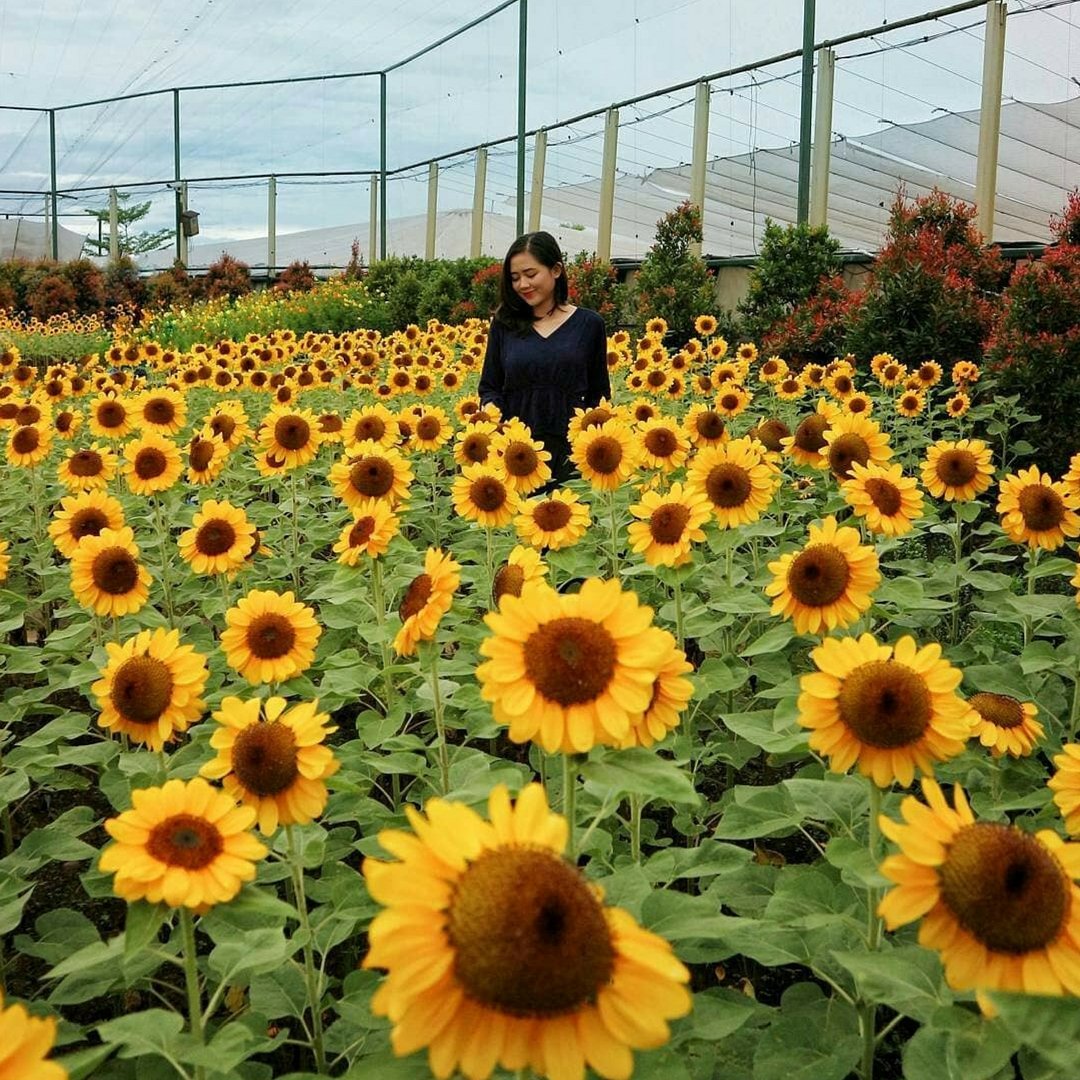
(534, 282)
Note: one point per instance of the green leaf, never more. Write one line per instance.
(771, 641)
(142, 925)
(251, 952)
(813, 1038)
(907, 979)
(960, 1043)
(760, 728)
(709, 859)
(717, 1013)
(83, 1063)
(1050, 1025)
(150, 1031)
(752, 812)
(638, 771)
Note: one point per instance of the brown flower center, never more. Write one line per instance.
(201, 454)
(114, 571)
(884, 494)
(292, 432)
(728, 485)
(329, 423)
(150, 463)
(270, 636)
(25, 440)
(111, 414)
(428, 428)
(656, 377)
(551, 515)
(215, 537)
(475, 447)
(509, 579)
(416, 596)
(85, 463)
(224, 425)
(570, 660)
(372, 476)
(604, 455)
(730, 402)
(661, 442)
(88, 522)
(845, 451)
(186, 841)
(998, 709)
(520, 459)
(487, 493)
(710, 425)
(595, 417)
(770, 432)
(361, 531)
(1042, 507)
(28, 414)
(810, 434)
(818, 575)
(159, 411)
(667, 523)
(529, 936)
(644, 412)
(64, 421)
(264, 758)
(956, 468)
(142, 689)
(886, 704)
(1005, 888)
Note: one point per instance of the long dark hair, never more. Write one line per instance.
(512, 311)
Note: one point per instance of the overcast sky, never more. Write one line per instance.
(583, 54)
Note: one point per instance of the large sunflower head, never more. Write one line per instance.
(1006, 725)
(184, 844)
(373, 526)
(110, 418)
(371, 471)
(474, 444)
(523, 459)
(106, 575)
(273, 759)
(999, 904)
(890, 709)
(432, 428)
(152, 464)
(668, 523)
(219, 538)
(151, 687)
(426, 601)
(606, 456)
(568, 671)
(736, 479)
(887, 500)
(1037, 510)
(957, 471)
(29, 445)
(827, 585)
(523, 961)
(704, 426)
(484, 494)
(82, 515)
(808, 445)
(162, 410)
(732, 399)
(558, 520)
(229, 422)
(522, 565)
(663, 444)
(292, 435)
(594, 417)
(270, 636)
(206, 457)
(851, 439)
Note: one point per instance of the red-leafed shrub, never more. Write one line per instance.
(227, 277)
(296, 277)
(484, 290)
(52, 294)
(592, 284)
(815, 331)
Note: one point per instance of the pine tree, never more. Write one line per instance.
(130, 243)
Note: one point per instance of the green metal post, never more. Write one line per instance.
(806, 111)
(176, 164)
(54, 240)
(382, 164)
(523, 43)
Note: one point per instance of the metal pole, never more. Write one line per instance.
(181, 249)
(990, 118)
(373, 221)
(54, 241)
(805, 111)
(607, 186)
(114, 224)
(476, 243)
(698, 155)
(523, 43)
(382, 165)
(271, 226)
(819, 175)
(536, 196)
(432, 209)
(182, 195)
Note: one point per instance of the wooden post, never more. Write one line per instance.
(536, 196)
(432, 209)
(479, 185)
(819, 170)
(271, 226)
(699, 155)
(607, 186)
(990, 118)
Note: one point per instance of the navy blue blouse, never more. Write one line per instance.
(542, 380)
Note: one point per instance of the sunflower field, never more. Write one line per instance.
(336, 740)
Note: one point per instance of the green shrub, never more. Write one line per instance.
(594, 284)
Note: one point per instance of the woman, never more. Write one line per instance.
(545, 357)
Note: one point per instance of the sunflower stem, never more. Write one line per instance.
(614, 534)
(379, 601)
(435, 517)
(958, 555)
(635, 828)
(191, 979)
(490, 564)
(226, 595)
(163, 543)
(437, 710)
(1074, 712)
(569, 794)
(868, 1010)
(1033, 562)
(295, 534)
(680, 636)
(311, 979)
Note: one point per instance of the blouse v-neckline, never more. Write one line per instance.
(547, 337)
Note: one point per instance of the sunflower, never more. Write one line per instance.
(522, 459)
(642, 410)
(1006, 725)
(522, 566)
(705, 426)
(373, 526)
(110, 418)
(1065, 784)
(219, 538)
(163, 411)
(668, 523)
(840, 385)
(427, 600)
(911, 403)
(771, 433)
(705, 326)
(29, 445)
(656, 326)
(106, 575)
(965, 372)
(859, 404)
(569, 671)
(270, 637)
(230, 423)
(1037, 510)
(1071, 479)
(957, 470)
(773, 370)
(998, 903)
(373, 423)
(732, 399)
(663, 444)
(808, 444)
(606, 456)
(889, 501)
(558, 520)
(928, 373)
(66, 423)
(736, 479)
(887, 708)
(291, 435)
(812, 376)
(671, 694)
(273, 760)
(150, 687)
(483, 494)
(184, 843)
(500, 952)
(474, 444)
(24, 1042)
(747, 353)
(584, 419)
(891, 373)
(827, 585)
(850, 439)
(371, 471)
(82, 515)
(790, 388)
(206, 457)
(717, 349)
(152, 464)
